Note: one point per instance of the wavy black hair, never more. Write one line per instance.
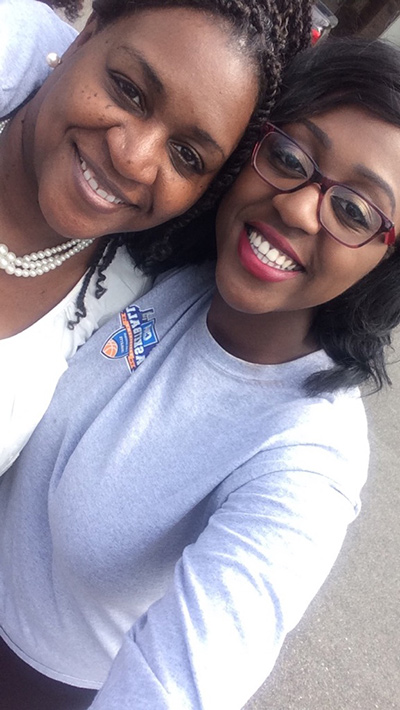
(354, 328)
(271, 32)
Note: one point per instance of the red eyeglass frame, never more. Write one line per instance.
(387, 226)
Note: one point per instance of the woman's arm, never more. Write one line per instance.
(29, 30)
(211, 641)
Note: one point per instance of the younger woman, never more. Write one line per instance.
(129, 131)
(190, 486)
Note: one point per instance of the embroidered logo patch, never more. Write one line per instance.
(135, 339)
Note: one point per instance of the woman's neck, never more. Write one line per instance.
(267, 338)
(23, 230)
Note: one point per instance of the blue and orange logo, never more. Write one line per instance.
(135, 339)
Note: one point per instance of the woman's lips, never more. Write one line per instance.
(90, 178)
(276, 240)
(96, 190)
(268, 259)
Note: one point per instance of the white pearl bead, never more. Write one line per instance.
(53, 60)
(10, 269)
(3, 249)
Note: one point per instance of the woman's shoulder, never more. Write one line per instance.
(29, 30)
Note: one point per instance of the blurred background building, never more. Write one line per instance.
(367, 18)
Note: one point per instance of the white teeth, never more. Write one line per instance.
(270, 255)
(273, 254)
(90, 179)
(264, 247)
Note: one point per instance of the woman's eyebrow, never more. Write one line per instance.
(377, 180)
(149, 72)
(360, 169)
(317, 132)
(204, 137)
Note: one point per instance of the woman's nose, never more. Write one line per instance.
(136, 152)
(300, 209)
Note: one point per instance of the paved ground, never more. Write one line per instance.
(345, 654)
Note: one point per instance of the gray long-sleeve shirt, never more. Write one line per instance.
(175, 503)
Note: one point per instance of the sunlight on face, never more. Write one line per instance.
(124, 139)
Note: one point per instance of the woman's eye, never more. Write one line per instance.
(288, 162)
(350, 213)
(188, 157)
(128, 89)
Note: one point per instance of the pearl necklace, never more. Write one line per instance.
(38, 262)
(3, 124)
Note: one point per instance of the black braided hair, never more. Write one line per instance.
(103, 256)
(71, 8)
(273, 32)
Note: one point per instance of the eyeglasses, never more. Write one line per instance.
(346, 215)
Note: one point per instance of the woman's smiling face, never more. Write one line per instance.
(349, 146)
(135, 123)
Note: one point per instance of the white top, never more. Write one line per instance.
(33, 361)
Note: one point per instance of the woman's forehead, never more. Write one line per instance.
(191, 62)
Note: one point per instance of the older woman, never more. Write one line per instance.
(121, 138)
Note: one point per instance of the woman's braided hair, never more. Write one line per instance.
(71, 8)
(274, 31)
